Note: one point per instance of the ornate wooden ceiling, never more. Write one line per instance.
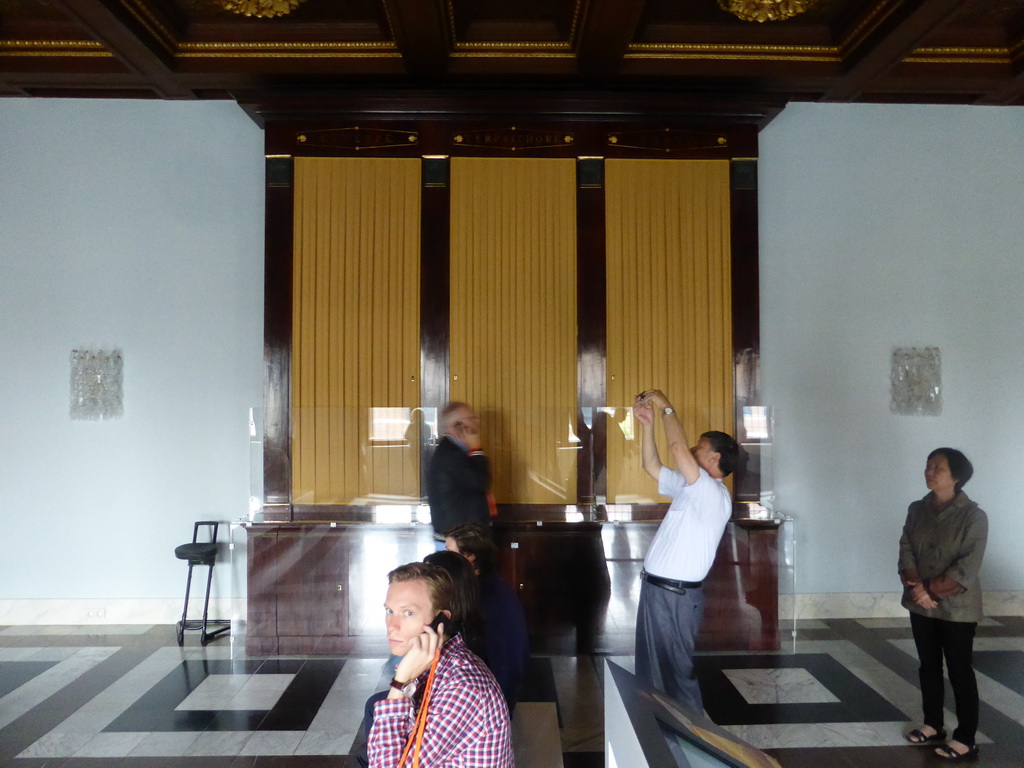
(682, 51)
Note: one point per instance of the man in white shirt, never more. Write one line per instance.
(671, 604)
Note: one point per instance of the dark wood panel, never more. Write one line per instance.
(741, 608)
(312, 587)
(746, 316)
(435, 295)
(277, 336)
(318, 588)
(591, 325)
(261, 594)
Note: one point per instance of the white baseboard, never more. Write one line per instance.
(877, 605)
(113, 611)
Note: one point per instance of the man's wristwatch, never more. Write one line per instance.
(406, 689)
(667, 411)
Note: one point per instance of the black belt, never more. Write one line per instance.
(672, 584)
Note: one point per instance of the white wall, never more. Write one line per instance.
(139, 225)
(886, 226)
(136, 225)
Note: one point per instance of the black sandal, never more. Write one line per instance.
(946, 752)
(917, 736)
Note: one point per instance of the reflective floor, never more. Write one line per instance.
(841, 696)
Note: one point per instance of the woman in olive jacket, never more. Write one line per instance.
(941, 550)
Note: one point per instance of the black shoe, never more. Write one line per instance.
(946, 752)
(917, 736)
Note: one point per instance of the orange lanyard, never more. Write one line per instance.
(415, 741)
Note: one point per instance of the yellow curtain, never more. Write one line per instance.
(355, 344)
(513, 319)
(669, 308)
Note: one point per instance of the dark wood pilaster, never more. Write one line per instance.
(277, 339)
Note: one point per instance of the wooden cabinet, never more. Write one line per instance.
(559, 572)
(741, 593)
(320, 588)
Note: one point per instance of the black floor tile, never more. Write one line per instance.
(726, 706)
(1006, 667)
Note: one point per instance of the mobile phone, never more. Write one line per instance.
(438, 620)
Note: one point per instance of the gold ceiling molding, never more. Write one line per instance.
(726, 52)
(498, 47)
(53, 48)
(766, 10)
(285, 50)
(263, 9)
(928, 55)
(513, 55)
(288, 55)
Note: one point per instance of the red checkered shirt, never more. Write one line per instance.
(467, 723)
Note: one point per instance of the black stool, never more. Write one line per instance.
(200, 553)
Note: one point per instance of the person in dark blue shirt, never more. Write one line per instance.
(506, 644)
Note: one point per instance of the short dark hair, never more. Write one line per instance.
(474, 539)
(727, 448)
(439, 583)
(960, 466)
(467, 591)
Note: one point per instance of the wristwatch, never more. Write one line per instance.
(667, 411)
(406, 689)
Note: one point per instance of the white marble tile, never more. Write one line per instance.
(779, 686)
(19, 654)
(999, 644)
(272, 743)
(46, 684)
(91, 720)
(535, 737)
(218, 743)
(110, 745)
(807, 736)
(237, 692)
(164, 744)
(342, 710)
(886, 683)
(324, 743)
(57, 744)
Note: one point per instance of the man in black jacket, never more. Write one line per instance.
(459, 474)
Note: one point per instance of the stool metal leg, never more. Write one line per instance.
(184, 613)
(203, 637)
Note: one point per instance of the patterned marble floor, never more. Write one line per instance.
(840, 695)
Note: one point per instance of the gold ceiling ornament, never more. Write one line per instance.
(266, 9)
(766, 10)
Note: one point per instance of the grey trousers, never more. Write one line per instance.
(666, 628)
